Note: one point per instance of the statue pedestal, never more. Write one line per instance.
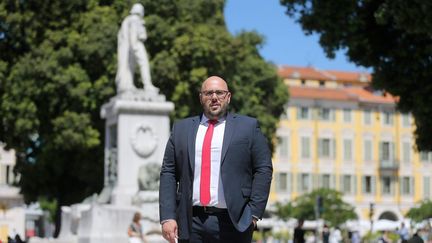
(105, 223)
(137, 129)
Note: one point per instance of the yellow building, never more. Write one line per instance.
(338, 133)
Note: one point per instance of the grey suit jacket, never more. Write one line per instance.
(246, 172)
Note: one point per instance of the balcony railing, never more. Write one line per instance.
(389, 165)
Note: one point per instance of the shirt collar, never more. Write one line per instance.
(204, 120)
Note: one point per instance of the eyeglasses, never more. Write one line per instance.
(221, 94)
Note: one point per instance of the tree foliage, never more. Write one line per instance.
(391, 36)
(335, 211)
(57, 67)
(422, 212)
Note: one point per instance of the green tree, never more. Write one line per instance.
(335, 210)
(391, 36)
(57, 67)
(422, 212)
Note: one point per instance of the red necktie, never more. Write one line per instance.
(205, 165)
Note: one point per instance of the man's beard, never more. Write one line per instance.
(218, 113)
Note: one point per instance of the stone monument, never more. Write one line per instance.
(131, 51)
(137, 128)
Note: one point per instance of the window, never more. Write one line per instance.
(283, 146)
(386, 185)
(325, 181)
(406, 120)
(367, 150)
(282, 182)
(387, 118)
(406, 185)
(305, 148)
(285, 113)
(347, 147)
(368, 184)
(304, 182)
(367, 117)
(425, 156)
(426, 187)
(386, 151)
(326, 114)
(347, 184)
(303, 113)
(347, 115)
(406, 149)
(326, 148)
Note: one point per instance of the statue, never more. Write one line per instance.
(131, 51)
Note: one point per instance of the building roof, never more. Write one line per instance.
(301, 73)
(366, 95)
(357, 94)
(320, 93)
(311, 73)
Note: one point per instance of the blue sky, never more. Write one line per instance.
(285, 42)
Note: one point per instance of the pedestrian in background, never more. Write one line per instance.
(135, 230)
(299, 232)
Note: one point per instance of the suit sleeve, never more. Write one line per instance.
(262, 172)
(168, 182)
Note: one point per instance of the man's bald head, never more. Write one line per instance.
(214, 81)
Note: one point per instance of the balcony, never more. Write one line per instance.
(388, 166)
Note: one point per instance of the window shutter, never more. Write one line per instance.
(341, 184)
(277, 179)
(289, 182)
(401, 185)
(354, 184)
(333, 181)
(381, 152)
(412, 188)
(426, 187)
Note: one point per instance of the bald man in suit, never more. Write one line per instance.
(216, 173)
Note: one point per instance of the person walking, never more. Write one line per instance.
(299, 232)
(403, 233)
(326, 234)
(216, 173)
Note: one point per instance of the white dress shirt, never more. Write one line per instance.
(217, 198)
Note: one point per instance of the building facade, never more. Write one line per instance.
(12, 213)
(338, 133)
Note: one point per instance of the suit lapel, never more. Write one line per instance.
(229, 130)
(191, 140)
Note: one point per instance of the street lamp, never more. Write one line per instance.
(371, 213)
